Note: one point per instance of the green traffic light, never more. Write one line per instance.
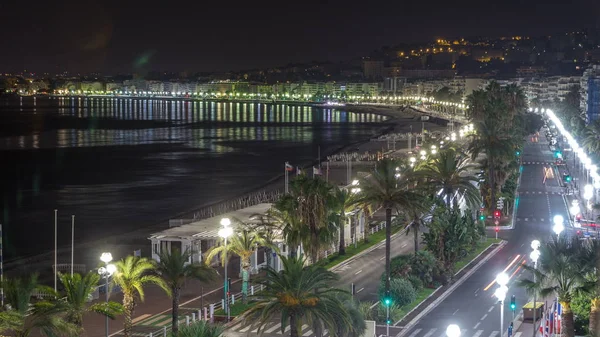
(387, 301)
(518, 153)
(482, 217)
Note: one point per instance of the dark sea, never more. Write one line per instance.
(121, 164)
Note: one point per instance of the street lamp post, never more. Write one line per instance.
(558, 225)
(226, 232)
(500, 293)
(575, 210)
(535, 254)
(106, 272)
(588, 193)
(453, 330)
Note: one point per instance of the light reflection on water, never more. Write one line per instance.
(121, 164)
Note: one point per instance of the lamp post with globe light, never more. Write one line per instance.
(500, 293)
(588, 194)
(534, 255)
(226, 232)
(558, 225)
(106, 272)
(453, 330)
(575, 211)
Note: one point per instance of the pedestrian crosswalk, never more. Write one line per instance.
(435, 332)
(537, 162)
(271, 329)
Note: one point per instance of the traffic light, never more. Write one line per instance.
(481, 217)
(388, 322)
(497, 213)
(518, 153)
(558, 154)
(387, 299)
(513, 303)
(567, 178)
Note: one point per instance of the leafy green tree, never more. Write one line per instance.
(383, 189)
(22, 318)
(448, 238)
(174, 268)
(199, 328)
(559, 273)
(300, 294)
(78, 291)
(133, 274)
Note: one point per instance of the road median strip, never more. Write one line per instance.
(452, 287)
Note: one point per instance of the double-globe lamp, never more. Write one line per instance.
(500, 293)
(534, 255)
(106, 272)
(226, 232)
(558, 224)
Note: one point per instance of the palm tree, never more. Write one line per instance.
(78, 291)
(559, 272)
(497, 146)
(300, 294)
(174, 268)
(242, 243)
(284, 213)
(591, 140)
(448, 172)
(269, 233)
(199, 329)
(22, 317)
(590, 255)
(383, 189)
(133, 273)
(342, 203)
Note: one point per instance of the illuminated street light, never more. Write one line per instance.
(453, 330)
(558, 225)
(500, 294)
(107, 271)
(226, 232)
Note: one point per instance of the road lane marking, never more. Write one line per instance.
(428, 334)
(359, 290)
(493, 334)
(237, 326)
(273, 328)
(478, 333)
(504, 271)
(358, 272)
(308, 333)
(246, 328)
(404, 245)
(476, 325)
(141, 318)
(382, 258)
(518, 334)
(482, 318)
(455, 311)
(492, 308)
(415, 332)
(476, 291)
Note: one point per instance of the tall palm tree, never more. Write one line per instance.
(78, 291)
(448, 172)
(307, 210)
(590, 255)
(342, 203)
(284, 213)
(559, 272)
(242, 243)
(497, 146)
(269, 232)
(591, 140)
(132, 275)
(300, 294)
(199, 328)
(174, 268)
(22, 317)
(383, 189)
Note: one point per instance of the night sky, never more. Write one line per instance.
(216, 35)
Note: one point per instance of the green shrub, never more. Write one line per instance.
(416, 282)
(400, 266)
(425, 266)
(401, 290)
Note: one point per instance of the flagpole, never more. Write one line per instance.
(72, 242)
(285, 168)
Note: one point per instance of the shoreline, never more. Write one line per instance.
(122, 242)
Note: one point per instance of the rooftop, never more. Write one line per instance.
(209, 228)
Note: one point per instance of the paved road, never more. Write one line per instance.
(472, 305)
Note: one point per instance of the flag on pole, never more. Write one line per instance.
(298, 171)
(316, 171)
(542, 325)
(558, 317)
(551, 319)
(546, 332)
(288, 167)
